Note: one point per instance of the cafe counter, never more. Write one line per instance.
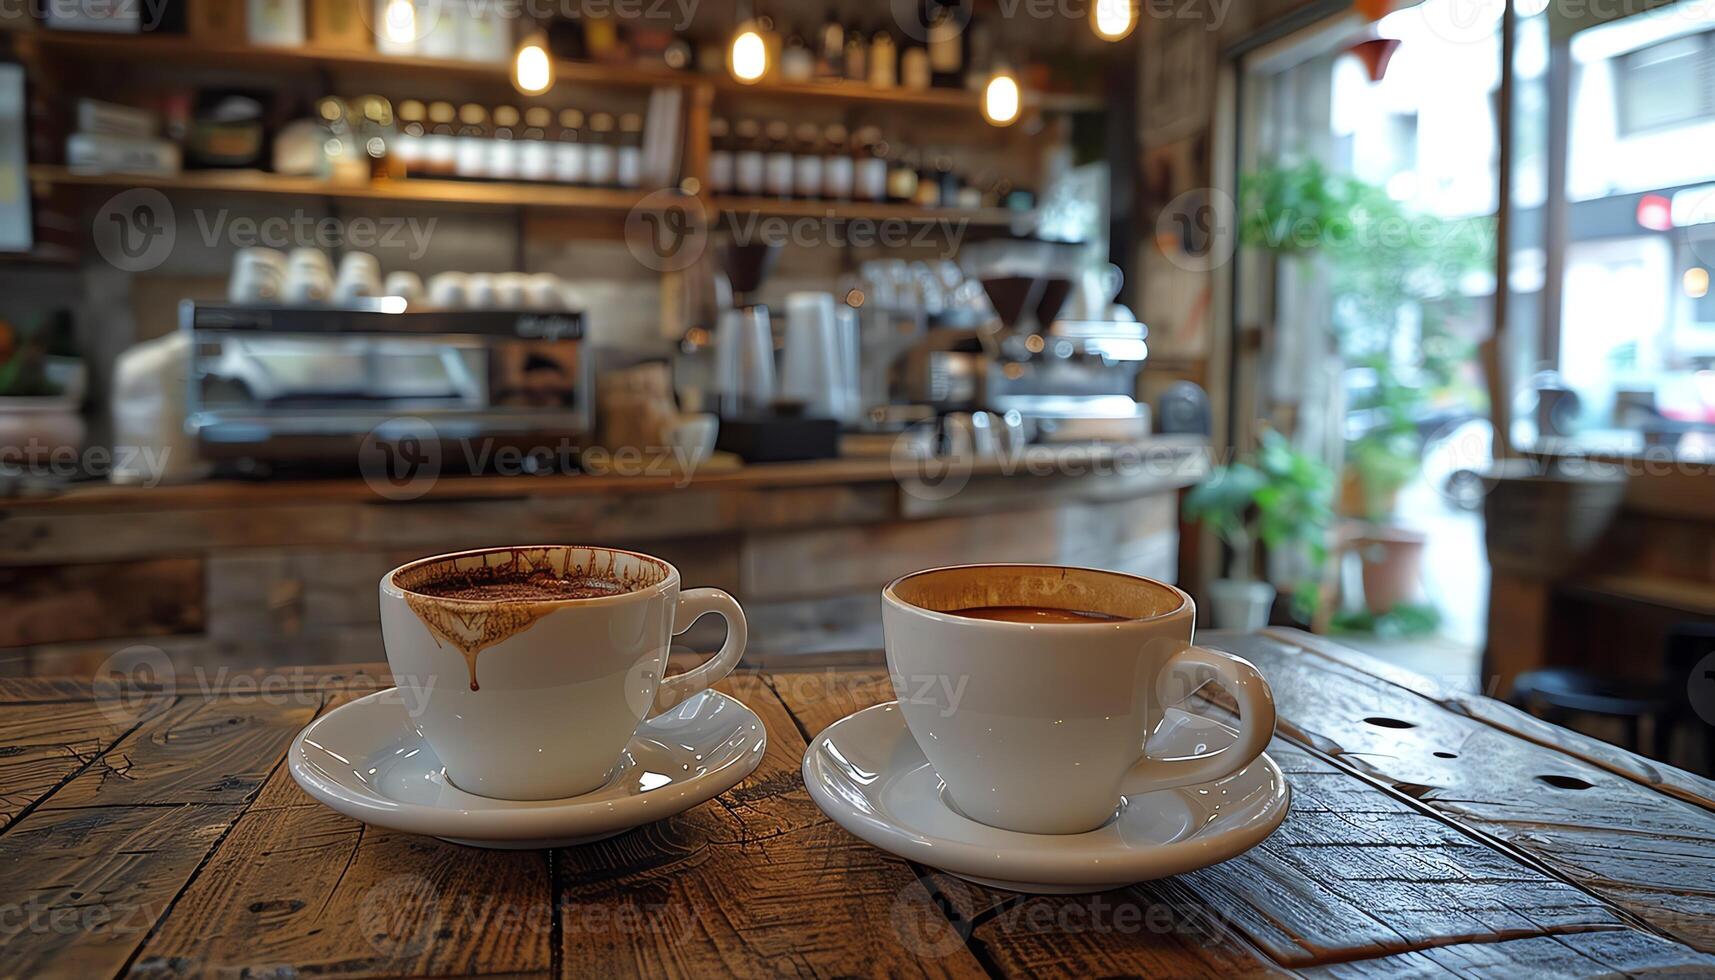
(253, 574)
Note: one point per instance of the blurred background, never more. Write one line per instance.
(1388, 321)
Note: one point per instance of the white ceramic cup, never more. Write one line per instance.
(535, 700)
(1041, 727)
(258, 275)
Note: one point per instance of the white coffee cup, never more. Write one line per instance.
(536, 699)
(258, 275)
(1041, 727)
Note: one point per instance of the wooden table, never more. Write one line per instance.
(158, 833)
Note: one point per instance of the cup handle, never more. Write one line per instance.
(1256, 727)
(694, 604)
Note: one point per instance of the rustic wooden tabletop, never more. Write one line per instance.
(152, 829)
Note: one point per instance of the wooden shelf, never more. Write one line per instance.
(936, 98)
(863, 210)
(489, 194)
(248, 57)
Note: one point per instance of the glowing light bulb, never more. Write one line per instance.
(399, 21)
(532, 68)
(1696, 282)
(747, 59)
(1112, 20)
(1001, 99)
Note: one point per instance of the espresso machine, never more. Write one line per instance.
(277, 389)
(1067, 380)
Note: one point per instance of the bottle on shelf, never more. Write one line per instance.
(375, 132)
(807, 163)
(914, 73)
(471, 161)
(979, 55)
(603, 158)
(856, 56)
(902, 177)
(440, 146)
(410, 146)
(720, 157)
(749, 169)
(571, 156)
(949, 40)
(342, 158)
(777, 180)
(831, 49)
(797, 61)
(838, 164)
(535, 153)
(928, 191)
(502, 145)
(947, 181)
(870, 171)
(883, 61)
(629, 163)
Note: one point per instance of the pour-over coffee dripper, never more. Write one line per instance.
(1027, 280)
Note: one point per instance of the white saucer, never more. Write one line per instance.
(866, 772)
(365, 760)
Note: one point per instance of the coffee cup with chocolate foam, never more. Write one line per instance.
(528, 669)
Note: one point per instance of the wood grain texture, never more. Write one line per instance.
(760, 884)
(161, 836)
(1352, 874)
(1644, 851)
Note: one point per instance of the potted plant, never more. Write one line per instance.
(41, 389)
(1279, 497)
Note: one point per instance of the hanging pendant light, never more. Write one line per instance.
(532, 65)
(1002, 98)
(747, 55)
(1113, 20)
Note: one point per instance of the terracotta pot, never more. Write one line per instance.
(1393, 563)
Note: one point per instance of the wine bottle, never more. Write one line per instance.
(777, 181)
(720, 157)
(629, 165)
(603, 159)
(571, 156)
(807, 163)
(838, 164)
(749, 170)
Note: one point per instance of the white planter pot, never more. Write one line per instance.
(1240, 605)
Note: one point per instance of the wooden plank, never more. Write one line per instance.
(1659, 776)
(44, 745)
(1353, 873)
(758, 883)
(60, 603)
(297, 889)
(89, 883)
(213, 750)
(1644, 851)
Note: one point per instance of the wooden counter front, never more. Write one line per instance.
(250, 574)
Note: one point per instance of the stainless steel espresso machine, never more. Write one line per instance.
(1068, 380)
(309, 388)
